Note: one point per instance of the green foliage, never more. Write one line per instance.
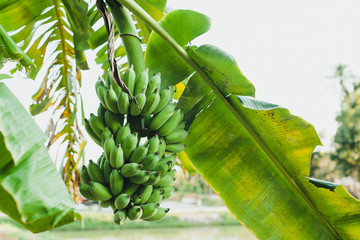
(58, 30)
(254, 154)
(31, 190)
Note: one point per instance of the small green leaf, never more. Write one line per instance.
(222, 69)
(155, 8)
(183, 26)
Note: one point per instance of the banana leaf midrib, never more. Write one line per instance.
(234, 100)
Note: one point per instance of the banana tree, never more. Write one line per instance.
(254, 154)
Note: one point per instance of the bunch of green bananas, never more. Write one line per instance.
(134, 173)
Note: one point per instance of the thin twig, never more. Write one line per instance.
(109, 24)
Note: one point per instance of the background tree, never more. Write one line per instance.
(322, 167)
(346, 151)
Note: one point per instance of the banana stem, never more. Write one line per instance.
(129, 35)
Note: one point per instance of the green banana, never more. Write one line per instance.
(84, 176)
(91, 132)
(100, 191)
(122, 201)
(151, 103)
(107, 169)
(154, 83)
(98, 82)
(172, 172)
(163, 168)
(134, 213)
(153, 178)
(112, 121)
(123, 103)
(159, 119)
(162, 147)
(156, 189)
(129, 144)
(141, 82)
(145, 193)
(154, 144)
(139, 153)
(100, 161)
(166, 96)
(135, 198)
(177, 136)
(96, 124)
(117, 157)
(175, 147)
(166, 196)
(171, 124)
(129, 79)
(101, 112)
(105, 204)
(113, 205)
(109, 144)
(130, 188)
(95, 173)
(159, 214)
(116, 182)
(150, 161)
(134, 108)
(166, 180)
(168, 190)
(141, 177)
(105, 135)
(110, 81)
(85, 191)
(111, 100)
(120, 217)
(100, 92)
(146, 121)
(180, 126)
(149, 210)
(155, 197)
(131, 204)
(171, 159)
(123, 132)
(130, 169)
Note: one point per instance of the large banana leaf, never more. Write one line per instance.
(31, 189)
(256, 155)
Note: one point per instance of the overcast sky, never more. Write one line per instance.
(287, 49)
